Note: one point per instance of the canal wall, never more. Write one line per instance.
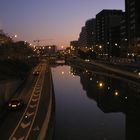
(129, 77)
(47, 130)
(112, 68)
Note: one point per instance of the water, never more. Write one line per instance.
(93, 106)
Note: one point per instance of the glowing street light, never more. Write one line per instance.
(62, 47)
(116, 93)
(71, 47)
(100, 47)
(62, 72)
(100, 84)
(14, 37)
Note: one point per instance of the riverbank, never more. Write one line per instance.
(15, 69)
(127, 71)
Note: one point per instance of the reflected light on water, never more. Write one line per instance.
(91, 79)
(80, 110)
(100, 84)
(116, 93)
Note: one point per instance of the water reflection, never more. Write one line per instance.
(113, 95)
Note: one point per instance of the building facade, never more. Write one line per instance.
(124, 36)
(82, 37)
(90, 29)
(108, 31)
(87, 35)
(133, 25)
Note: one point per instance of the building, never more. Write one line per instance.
(87, 35)
(133, 25)
(74, 44)
(51, 49)
(115, 48)
(83, 38)
(124, 36)
(74, 47)
(108, 31)
(4, 38)
(90, 29)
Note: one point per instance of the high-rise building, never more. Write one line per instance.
(133, 25)
(74, 44)
(90, 29)
(82, 37)
(124, 36)
(87, 35)
(108, 31)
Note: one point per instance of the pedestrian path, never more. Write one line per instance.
(117, 70)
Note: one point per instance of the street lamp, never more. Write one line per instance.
(62, 47)
(100, 47)
(49, 47)
(13, 36)
(49, 51)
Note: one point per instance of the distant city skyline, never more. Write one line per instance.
(51, 22)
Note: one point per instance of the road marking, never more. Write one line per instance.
(35, 95)
(28, 133)
(25, 125)
(32, 106)
(36, 92)
(29, 114)
(34, 100)
(37, 88)
(39, 81)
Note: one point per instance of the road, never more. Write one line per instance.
(27, 123)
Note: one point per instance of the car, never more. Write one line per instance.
(36, 73)
(87, 60)
(15, 104)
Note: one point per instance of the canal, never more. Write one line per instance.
(93, 105)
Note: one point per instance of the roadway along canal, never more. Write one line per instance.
(91, 105)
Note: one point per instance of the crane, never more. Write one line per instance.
(39, 40)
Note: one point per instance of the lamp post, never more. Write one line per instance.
(14, 37)
(49, 52)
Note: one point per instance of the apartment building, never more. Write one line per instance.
(108, 31)
(133, 25)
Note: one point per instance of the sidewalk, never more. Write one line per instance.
(116, 70)
(127, 70)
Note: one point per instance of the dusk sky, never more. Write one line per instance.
(52, 21)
